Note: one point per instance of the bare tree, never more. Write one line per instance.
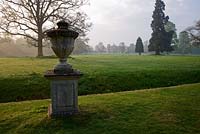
(194, 31)
(30, 18)
(122, 47)
(100, 48)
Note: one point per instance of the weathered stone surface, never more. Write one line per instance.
(62, 40)
(64, 93)
(64, 79)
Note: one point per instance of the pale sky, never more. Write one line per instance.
(117, 21)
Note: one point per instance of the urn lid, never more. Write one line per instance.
(62, 30)
(63, 25)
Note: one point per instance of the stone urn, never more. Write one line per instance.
(62, 40)
(64, 79)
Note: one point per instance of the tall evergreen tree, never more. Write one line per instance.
(160, 40)
(139, 48)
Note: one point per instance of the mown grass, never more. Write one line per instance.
(22, 78)
(174, 110)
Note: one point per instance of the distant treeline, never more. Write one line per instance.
(23, 47)
(121, 48)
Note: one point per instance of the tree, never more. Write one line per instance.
(184, 42)
(21, 41)
(29, 18)
(131, 48)
(167, 41)
(100, 48)
(109, 48)
(81, 47)
(114, 48)
(146, 44)
(195, 44)
(194, 31)
(139, 48)
(122, 47)
(6, 38)
(169, 27)
(159, 41)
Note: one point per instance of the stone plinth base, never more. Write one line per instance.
(64, 113)
(64, 93)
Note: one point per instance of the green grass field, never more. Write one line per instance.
(174, 110)
(22, 78)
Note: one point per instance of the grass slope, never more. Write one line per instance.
(22, 78)
(174, 110)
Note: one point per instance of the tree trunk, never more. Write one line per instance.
(40, 48)
(139, 53)
(157, 52)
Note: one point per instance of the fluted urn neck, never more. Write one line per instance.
(62, 30)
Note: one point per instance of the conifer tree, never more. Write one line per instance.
(160, 40)
(139, 48)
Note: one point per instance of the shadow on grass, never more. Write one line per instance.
(35, 86)
(85, 121)
(39, 123)
(24, 87)
(35, 121)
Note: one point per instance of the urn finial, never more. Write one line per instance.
(63, 25)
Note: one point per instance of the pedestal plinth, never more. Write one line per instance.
(64, 93)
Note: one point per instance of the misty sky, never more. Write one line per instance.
(117, 21)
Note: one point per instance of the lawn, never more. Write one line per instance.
(22, 78)
(174, 110)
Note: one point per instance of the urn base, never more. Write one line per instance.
(63, 68)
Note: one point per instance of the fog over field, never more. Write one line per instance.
(18, 50)
(124, 20)
(118, 21)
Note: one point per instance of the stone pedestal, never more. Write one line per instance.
(64, 93)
